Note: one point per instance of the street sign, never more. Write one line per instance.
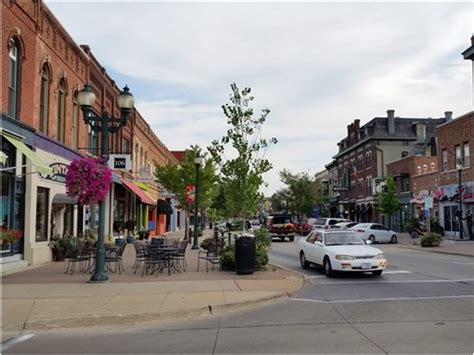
(120, 161)
(428, 202)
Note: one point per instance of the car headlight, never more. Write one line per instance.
(379, 256)
(344, 257)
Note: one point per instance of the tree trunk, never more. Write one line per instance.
(186, 226)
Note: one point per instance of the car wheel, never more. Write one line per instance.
(291, 238)
(372, 239)
(303, 261)
(377, 273)
(328, 268)
(394, 239)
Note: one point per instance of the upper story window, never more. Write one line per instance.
(445, 159)
(13, 78)
(458, 154)
(405, 183)
(93, 144)
(126, 146)
(466, 155)
(61, 110)
(44, 98)
(75, 121)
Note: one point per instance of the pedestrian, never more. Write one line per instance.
(469, 223)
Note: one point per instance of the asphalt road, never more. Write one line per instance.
(423, 303)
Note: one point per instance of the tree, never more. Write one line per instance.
(301, 194)
(174, 178)
(242, 176)
(387, 201)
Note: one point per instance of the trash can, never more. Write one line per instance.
(245, 257)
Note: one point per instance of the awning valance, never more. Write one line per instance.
(139, 192)
(63, 199)
(40, 165)
(163, 207)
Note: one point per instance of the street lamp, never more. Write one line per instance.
(104, 124)
(459, 169)
(197, 161)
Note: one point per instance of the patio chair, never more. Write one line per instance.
(180, 255)
(212, 254)
(83, 257)
(156, 260)
(141, 255)
(114, 257)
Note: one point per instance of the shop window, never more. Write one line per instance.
(61, 110)
(5, 198)
(42, 203)
(13, 78)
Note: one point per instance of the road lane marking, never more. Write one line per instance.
(382, 299)
(14, 341)
(393, 281)
(397, 272)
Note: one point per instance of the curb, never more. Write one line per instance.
(130, 319)
(432, 250)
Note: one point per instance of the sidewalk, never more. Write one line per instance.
(447, 246)
(43, 298)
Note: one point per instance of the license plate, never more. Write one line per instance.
(366, 265)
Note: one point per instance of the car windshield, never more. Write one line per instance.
(362, 225)
(281, 219)
(342, 239)
(321, 221)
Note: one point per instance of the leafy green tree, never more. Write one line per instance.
(174, 178)
(387, 201)
(242, 176)
(301, 194)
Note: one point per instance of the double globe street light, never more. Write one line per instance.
(105, 125)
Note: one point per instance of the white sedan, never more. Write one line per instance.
(340, 250)
(375, 233)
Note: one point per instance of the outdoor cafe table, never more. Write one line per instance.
(163, 253)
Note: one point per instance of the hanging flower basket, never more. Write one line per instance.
(89, 180)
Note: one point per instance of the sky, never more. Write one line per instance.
(316, 66)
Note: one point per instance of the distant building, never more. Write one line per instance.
(365, 152)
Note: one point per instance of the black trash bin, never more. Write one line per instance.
(245, 258)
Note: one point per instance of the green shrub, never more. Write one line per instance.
(228, 258)
(431, 240)
(412, 224)
(263, 238)
(261, 258)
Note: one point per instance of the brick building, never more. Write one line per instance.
(42, 131)
(365, 152)
(455, 139)
(415, 177)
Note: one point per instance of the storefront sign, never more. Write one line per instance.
(58, 174)
(428, 202)
(144, 175)
(120, 161)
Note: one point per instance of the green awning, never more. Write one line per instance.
(40, 166)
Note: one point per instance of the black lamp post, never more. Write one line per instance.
(459, 169)
(104, 124)
(197, 160)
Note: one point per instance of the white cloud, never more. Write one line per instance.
(317, 66)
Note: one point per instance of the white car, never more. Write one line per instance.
(375, 233)
(345, 224)
(326, 223)
(340, 250)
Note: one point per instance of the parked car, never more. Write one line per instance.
(303, 227)
(346, 225)
(325, 223)
(281, 226)
(340, 250)
(375, 233)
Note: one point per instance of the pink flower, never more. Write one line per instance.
(89, 180)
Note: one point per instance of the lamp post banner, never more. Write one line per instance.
(190, 194)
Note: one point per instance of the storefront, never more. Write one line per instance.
(145, 207)
(449, 206)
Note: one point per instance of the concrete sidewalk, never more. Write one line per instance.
(42, 298)
(447, 246)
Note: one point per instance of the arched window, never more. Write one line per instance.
(13, 78)
(61, 110)
(44, 98)
(75, 121)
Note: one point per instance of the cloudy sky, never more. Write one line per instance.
(316, 66)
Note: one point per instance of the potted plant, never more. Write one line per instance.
(130, 227)
(143, 234)
(58, 247)
(431, 240)
(9, 236)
